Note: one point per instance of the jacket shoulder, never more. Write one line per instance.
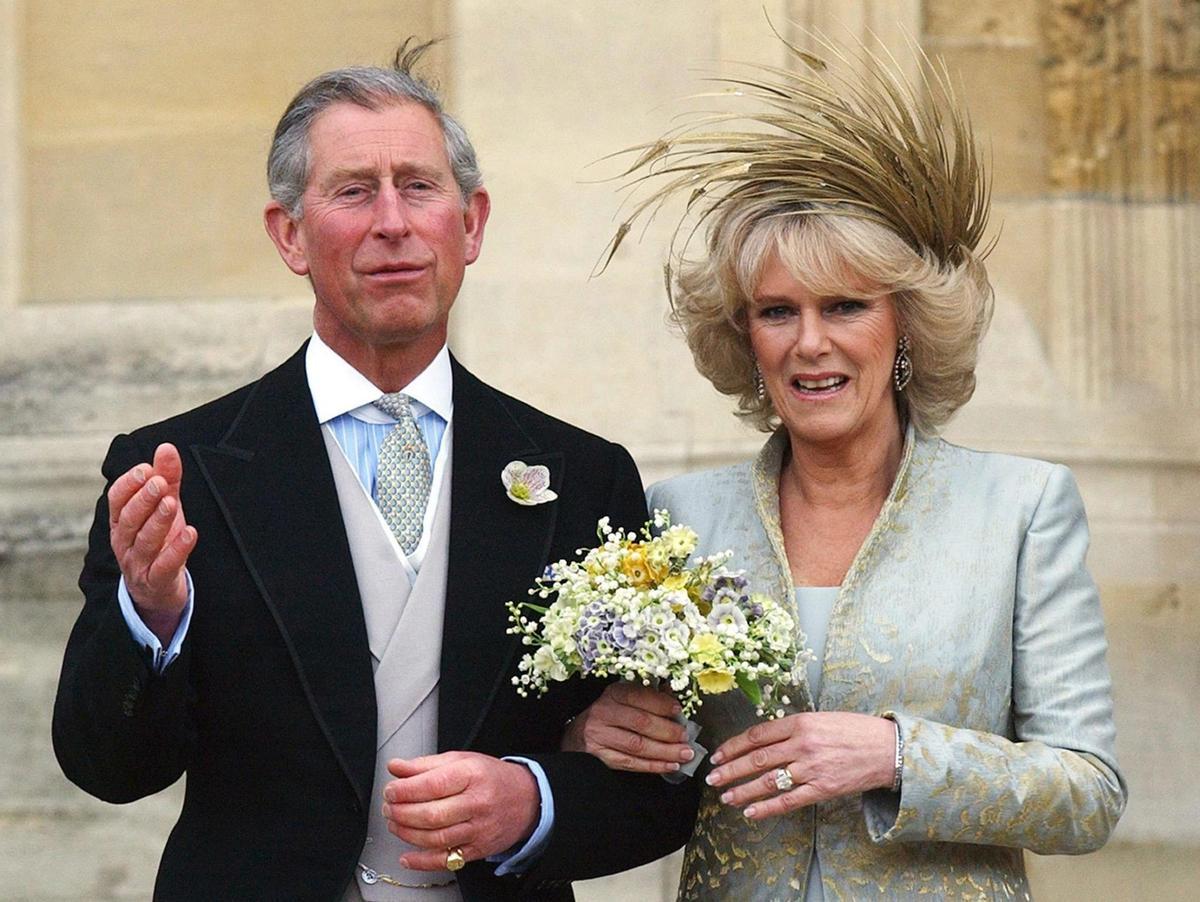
(994, 481)
(994, 465)
(209, 422)
(547, 428)
(693, 496)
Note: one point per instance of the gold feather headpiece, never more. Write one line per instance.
(819, 143)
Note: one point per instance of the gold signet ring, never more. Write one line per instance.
(455, 860)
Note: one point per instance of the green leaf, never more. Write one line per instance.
(749, 688)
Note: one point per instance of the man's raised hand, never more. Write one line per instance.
(151, 539)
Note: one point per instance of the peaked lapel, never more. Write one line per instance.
(296, 550)
(497, 549)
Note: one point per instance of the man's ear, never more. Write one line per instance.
(285, 232)
(475, 216)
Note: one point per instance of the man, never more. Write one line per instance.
(295, 593)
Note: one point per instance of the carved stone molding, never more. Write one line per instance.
(1122, 95)
(1122, 81)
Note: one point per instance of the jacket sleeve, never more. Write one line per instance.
(607, 821)
(1053, 786)
(120, 731)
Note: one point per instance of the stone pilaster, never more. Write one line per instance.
(10, 164)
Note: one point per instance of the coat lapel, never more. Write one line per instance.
(271, 478)
(497, 549)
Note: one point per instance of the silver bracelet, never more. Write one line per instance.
(898, 773)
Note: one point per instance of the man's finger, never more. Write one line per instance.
(151, 538)
(439, 783)
(437, 814)
(435, 859)
(125, 487)
(169, 564)
(439, 837)
(169, 465)
(410, 767)
(135, 513)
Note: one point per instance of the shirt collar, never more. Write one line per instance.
(338, 388)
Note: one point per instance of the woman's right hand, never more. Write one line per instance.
(631, 727)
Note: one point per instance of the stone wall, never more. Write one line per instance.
(135, 281)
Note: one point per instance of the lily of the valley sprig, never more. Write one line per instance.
(527, 485)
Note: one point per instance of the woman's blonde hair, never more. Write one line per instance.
(944, 309)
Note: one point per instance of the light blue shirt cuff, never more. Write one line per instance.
(141, 632)
(524, 858)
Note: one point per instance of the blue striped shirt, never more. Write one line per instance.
(360, 439)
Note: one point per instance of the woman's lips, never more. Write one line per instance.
(821, 385)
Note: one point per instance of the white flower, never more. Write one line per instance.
(527, 485)
(727, 619)
(545, 660)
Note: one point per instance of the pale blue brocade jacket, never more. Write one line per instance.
(969, 613)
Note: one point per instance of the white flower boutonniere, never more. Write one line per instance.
(527, 485)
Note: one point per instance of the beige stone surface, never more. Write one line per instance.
(1004, 86)
(10, 181)
(144, 129)
(981, 24)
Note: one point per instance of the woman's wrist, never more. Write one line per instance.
(897, 773)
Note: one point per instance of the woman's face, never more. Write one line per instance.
(826, 361)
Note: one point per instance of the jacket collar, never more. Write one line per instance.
(271, 478)
(497, 549)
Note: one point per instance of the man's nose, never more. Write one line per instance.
(391, 216)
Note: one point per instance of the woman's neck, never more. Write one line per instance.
(852, 473)
(829, 498)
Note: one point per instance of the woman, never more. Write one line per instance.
(959, 707)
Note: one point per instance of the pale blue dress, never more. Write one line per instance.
(814, 604)
(969, 616)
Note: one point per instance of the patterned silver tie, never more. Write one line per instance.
(404, 475)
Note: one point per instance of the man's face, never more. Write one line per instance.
(384, 234)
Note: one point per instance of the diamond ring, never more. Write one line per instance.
(784, 780)
(455, 860)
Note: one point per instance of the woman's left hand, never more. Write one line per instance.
(828, 754)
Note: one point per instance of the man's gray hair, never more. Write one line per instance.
(373, 88)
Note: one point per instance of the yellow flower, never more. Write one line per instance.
(657, 561)
(714, 682)
(706, 648)
(680, 540)
(636, 568)
(675, 582)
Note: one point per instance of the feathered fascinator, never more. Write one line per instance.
(818, 143)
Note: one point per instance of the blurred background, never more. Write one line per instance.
(136, 280)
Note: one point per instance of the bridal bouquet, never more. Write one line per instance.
(633, 609)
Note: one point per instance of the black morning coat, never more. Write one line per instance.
(270, 708)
